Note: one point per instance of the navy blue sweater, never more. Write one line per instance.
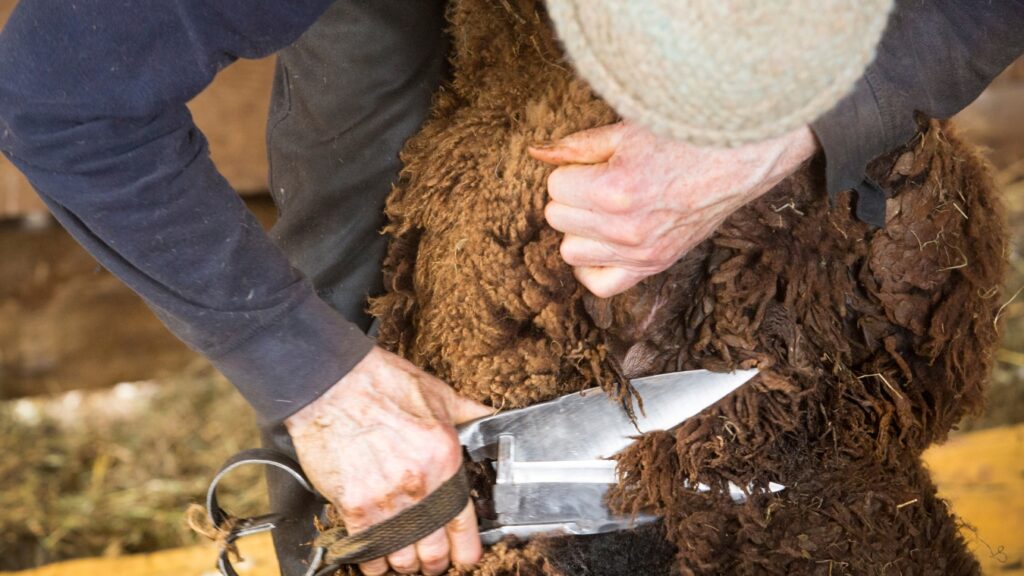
(92, 110)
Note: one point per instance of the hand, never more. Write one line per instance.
(631, 204)
(379, 441)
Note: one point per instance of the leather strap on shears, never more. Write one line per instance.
(335, 547)
(406, 527)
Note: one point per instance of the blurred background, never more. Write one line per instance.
(109, 427)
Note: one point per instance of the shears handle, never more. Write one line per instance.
(335, 547)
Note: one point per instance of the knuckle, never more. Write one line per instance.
(467, 557)
(404, 567)
(568, 252)
(551, 214)
(557, 217)
(414, 483)
(354, 508)
(439, 454)
(363, 506)
(617, 201)
(404, 561)
(433, 554)
(631, 234)
(435, 569)
(377, 567)
(462, 523)
(618, 194)
(556, 181)
(445, 449)
(452, 448)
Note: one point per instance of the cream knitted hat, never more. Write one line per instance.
(720, 72)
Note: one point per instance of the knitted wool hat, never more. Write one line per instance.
(720, 72)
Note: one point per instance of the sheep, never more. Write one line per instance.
(872, 343)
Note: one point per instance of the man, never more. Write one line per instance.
(92, 109)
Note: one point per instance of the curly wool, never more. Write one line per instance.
(872, 344)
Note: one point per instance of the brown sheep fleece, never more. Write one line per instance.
(872, 343)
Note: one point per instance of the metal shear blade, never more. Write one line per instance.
(588, 425)
(552, 459)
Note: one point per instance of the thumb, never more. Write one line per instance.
(465, 410)
(607, 281)
(592, 146)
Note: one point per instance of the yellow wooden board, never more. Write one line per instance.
(981, 473)
(257, 552)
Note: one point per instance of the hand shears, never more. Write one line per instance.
(551, 461)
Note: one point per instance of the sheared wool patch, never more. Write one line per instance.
(872, 343)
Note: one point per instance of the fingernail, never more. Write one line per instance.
(542, 145)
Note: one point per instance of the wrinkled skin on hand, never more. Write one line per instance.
(379, 441)
(631, 204)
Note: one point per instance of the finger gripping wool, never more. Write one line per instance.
(872, 343)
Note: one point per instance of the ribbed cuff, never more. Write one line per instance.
(290, 362)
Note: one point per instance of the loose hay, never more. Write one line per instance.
(101, 480)
(873, 344)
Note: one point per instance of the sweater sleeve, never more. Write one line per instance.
(935, 57)
(92, 110)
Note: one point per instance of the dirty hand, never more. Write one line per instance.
(631, 203)
(379, 441)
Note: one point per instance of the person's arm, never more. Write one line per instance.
(92, 110)
(935, 57)
(631, 204)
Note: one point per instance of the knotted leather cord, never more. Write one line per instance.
(405, 528)
(335, 547)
